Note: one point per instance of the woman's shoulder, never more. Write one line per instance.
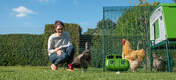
(52, 35)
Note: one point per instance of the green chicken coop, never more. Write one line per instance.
(163, 31)
(162, 23)
(116, 63)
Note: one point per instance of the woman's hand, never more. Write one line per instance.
(59, 52)
(56, 49)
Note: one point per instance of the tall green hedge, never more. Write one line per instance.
(29, 49)
(21, 49)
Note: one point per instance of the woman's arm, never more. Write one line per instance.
(51, 48)
(69, 43)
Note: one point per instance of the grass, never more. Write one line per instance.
(44, 73)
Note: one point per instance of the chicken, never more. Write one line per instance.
(158, 63)
(83, 59)
(135, 57)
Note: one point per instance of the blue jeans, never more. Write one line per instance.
(66, 55)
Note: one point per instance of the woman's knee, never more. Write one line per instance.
(60, 58)
(52, 57)
(63, 56)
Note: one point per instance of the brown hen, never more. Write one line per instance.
(135, 57)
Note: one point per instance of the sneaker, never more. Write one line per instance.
(53, 67)
(70, 68)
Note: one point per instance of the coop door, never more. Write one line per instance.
(156, 30)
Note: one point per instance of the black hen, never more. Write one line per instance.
(83, 59)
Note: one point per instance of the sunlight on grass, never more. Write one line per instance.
(44, 73)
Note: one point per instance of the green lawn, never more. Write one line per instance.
(44, 73)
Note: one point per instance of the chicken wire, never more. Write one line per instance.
(165, 52)
(128, 22)
(132, 23)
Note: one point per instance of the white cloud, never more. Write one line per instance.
(20, 15)
(22, 11)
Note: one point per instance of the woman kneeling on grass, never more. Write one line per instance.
(60, 47)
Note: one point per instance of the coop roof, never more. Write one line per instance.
(169, 11)
(168, 4)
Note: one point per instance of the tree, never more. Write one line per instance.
(155, 3)
(140, 2)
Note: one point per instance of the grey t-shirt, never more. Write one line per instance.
(56, 41)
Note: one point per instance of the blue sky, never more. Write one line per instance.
(30, 16)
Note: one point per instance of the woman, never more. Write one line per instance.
(60, 47)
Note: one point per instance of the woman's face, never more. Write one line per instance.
(59, 29)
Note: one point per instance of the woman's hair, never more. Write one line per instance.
(58, 22)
